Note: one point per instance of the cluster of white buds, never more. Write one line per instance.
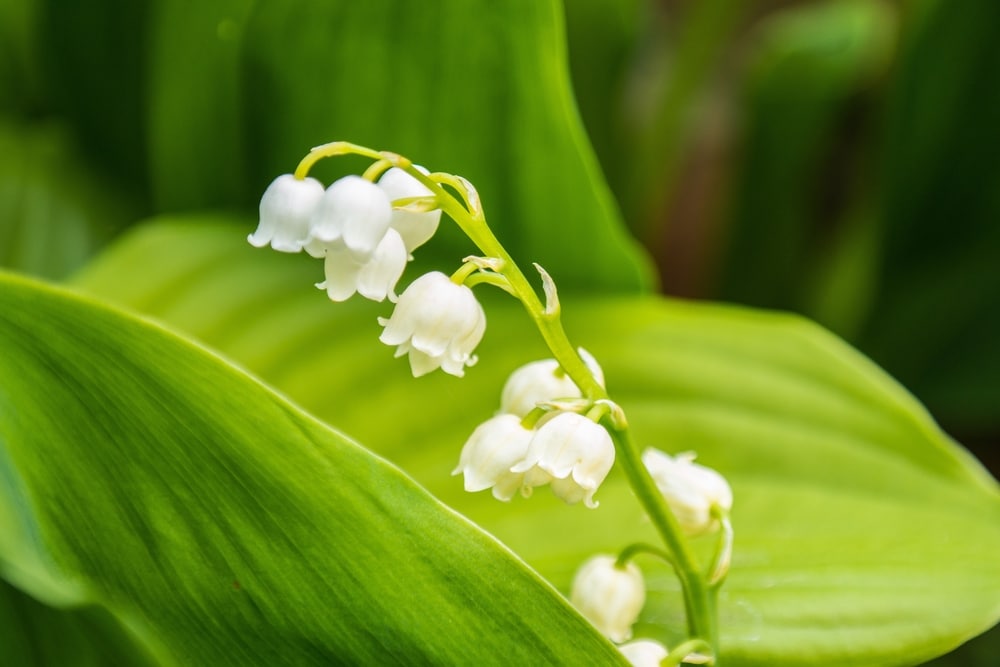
(365, 232)
(691, 490)
(514, 451)
(353, 225)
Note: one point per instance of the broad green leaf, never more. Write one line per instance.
(865, 536)
(224, 526)
(478, 88)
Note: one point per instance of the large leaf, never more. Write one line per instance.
(225, 526)
(864, 535)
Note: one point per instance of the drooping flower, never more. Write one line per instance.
(490, 452)
(374, 279)
(353, 211)
(609, 596)
(286, 209)
(644, 653)
(416, 227)
(573, 453)
(438, 323)
(690, 489)
(541, 381)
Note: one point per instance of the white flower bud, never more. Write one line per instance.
(541, 381)
(375, 279)
(608, 596)
(415, 227)
(691, 490)
(644, 653)
(354, 211)
(286, 209)
(436, 322)
(571, 452)
(488, 455)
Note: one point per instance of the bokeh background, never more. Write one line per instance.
(836, 158)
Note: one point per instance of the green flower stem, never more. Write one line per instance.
(676, 657)
(699, 597)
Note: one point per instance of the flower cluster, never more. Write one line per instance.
(530, 445)
(365, 232)
(364, 239)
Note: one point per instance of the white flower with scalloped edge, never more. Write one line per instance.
(354, 212)
(690, 489)
(644, 653)
(416, 227)
(541, 381)
(610, 597)
(437, 323)
(573, 453)
(490, 452)
(286, 209)
(374, 279)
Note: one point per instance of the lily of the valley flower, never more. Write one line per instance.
(644, 653)
(691, 490)
(573, 453)
(541, 381)
(415, 227)
(374, 279)
(286, 209)
(609, 596)
(489, 454)
(438, 323)
(353, 211)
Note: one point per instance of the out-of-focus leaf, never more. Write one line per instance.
(20, 76)
(228, 527)
(865, 536)
(54, 213)
(95, 68)
(478, 88)
(195, 104)
(809, 67)
(35, 635)
(936, 318)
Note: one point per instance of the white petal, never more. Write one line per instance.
(286, 208)
(610, 597)
(378, 278)
(355, 210)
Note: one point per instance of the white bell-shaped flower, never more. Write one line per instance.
(573, 453)
(375, 279)
(353, 211)
(691, 490)
(438, 323)
(644, 653)
(609, 596)
(416, 227)
(490, 452)
(286, 209)
(541, 381)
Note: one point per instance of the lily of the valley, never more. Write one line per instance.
(373, 279)
(644, 653)
(438, 323)
(572, 453)
(490, 453)
(609, 596)
(286, 211)
(415, 227)
(541, 381)
(354, 212)
(691, 490)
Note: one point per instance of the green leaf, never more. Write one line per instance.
(478, 88)
(225, 526)
(865, 536)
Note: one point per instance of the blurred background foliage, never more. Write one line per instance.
(837, 158)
